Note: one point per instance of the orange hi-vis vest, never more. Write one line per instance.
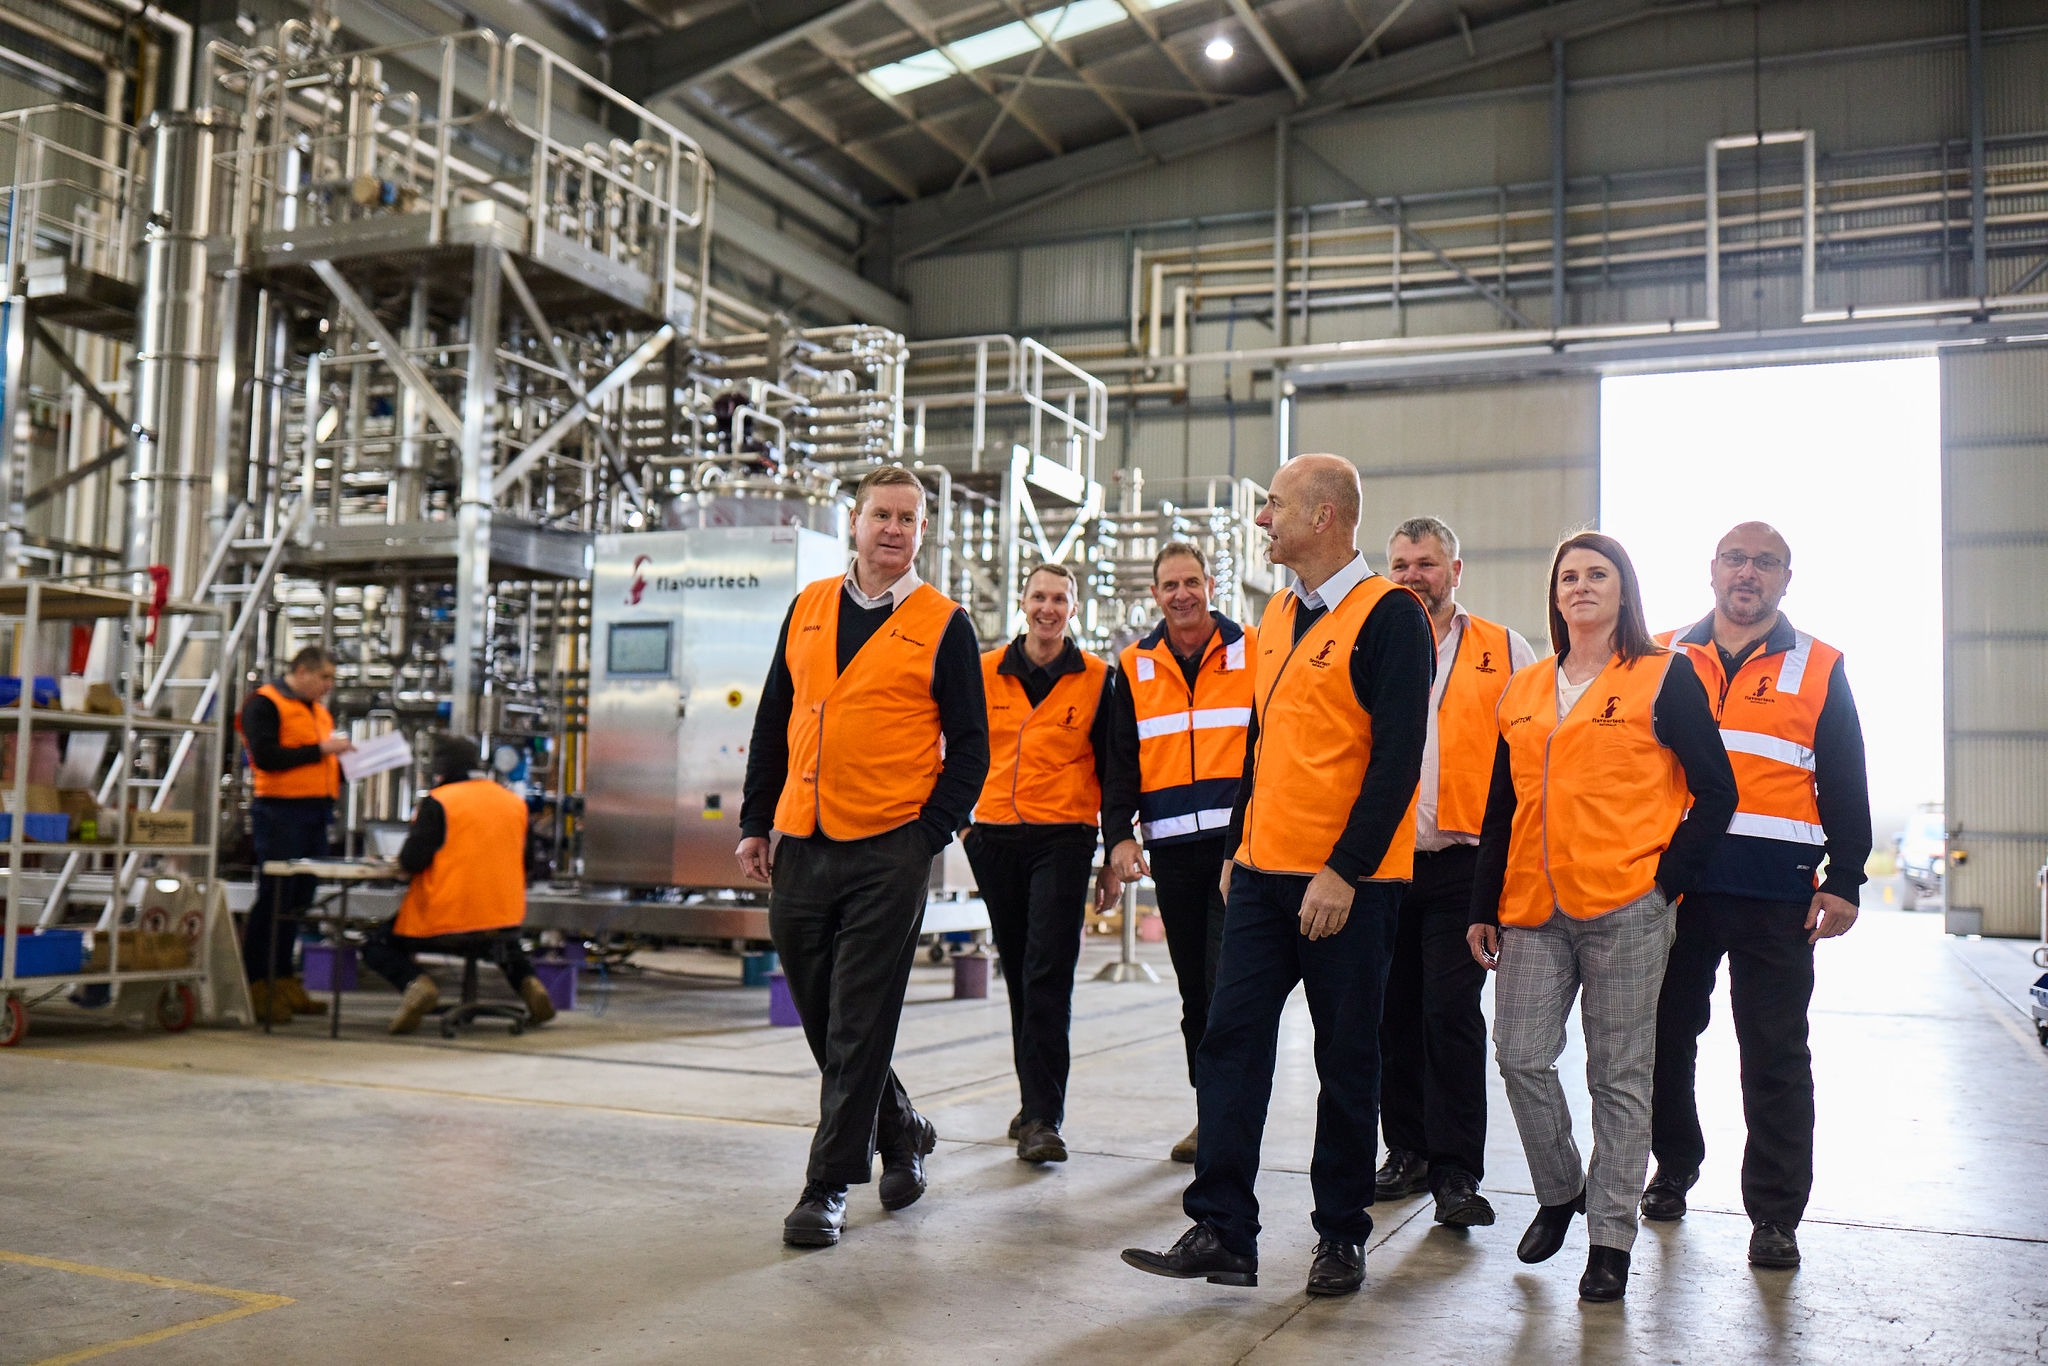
(1597, 796)
(1190, 744)
(1465, 734)
(1041, 763)
(299, 723)
(1768, 714)
(477, 880)
(1314, 740)
(864, 745)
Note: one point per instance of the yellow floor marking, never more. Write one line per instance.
(435, 1091)
(248, 1302)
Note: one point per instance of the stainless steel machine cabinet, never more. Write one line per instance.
(683, 625)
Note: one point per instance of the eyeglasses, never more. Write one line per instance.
(1765, 564)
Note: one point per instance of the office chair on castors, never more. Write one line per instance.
(469, 1009)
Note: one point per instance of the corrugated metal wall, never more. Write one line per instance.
(1994, 416)
(1511, 467)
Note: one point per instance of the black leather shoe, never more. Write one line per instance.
(903, 1178)
(1040, 1142)
(1773, 1245)
(819, 1215)
(1459, 1203)
(1338, 1268)
(1016, 1126)
(1197, 1254)
(1401, 1175)
(1664, 1197)
(1606, 1278)
(1547, 1230)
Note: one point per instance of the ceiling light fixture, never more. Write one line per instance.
(1219, 49)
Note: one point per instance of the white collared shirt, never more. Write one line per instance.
(1429, 839)
(1335, 588)
(892, 597)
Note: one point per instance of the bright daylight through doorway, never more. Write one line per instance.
(1845, 461)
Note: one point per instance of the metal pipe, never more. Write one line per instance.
(1282, 133)
(1980, 274)
(1557, 186)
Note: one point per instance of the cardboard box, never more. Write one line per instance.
(42, 798)
(160, 827)
(78, 805)
(142, 951)
(101, 700)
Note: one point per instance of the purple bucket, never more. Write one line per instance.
(325, 964)
(970, 977)
(781, 1010)
(560, 980)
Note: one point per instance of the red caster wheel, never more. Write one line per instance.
(14, 1023)
(176, 1008)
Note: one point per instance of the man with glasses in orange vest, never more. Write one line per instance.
(1033, 842)
(1326, 825)
(870, 746)
(1784, 878)
(1433, 1034)
(294, 759)
(1183, 705)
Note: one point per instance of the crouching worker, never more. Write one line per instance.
(466, 854)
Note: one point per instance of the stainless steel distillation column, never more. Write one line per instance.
(473, 517)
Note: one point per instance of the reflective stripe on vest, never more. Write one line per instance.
(477, 880)
(864, 745)
(1465, 735)
(1190, 744)
(299, 723)
(1315, 740)
(1768, 714)
(1597, 796)
(1041, 760)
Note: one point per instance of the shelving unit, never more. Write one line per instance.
(148, 758)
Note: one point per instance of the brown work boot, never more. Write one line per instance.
(263, 1008)
(421, 996)
(539, 1005)
(294, 992)
(1184, 1151)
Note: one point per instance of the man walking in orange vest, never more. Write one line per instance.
(1326, 838)
(1792, 734)
(467, 853)
(1182, 707)
(1033, 841)
(1433, 1036)
(294, 759)
(870, 746)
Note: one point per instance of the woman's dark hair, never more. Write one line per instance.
(1631, 634)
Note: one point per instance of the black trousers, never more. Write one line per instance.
(1036, 888)
(282, 827)
(390, 954)
(845, 918)
(1184, 877)
(1770, 983)
(1433, 1035)
(1264, 955)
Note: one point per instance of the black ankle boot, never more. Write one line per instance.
(1547, 1229)
(1606, 1278)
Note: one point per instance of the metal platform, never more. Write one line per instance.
(519, 550)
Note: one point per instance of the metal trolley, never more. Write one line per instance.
(152, 767)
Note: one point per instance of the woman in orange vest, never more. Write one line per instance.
(1033, 840)
(1586, 845)
(294, 759)
(468, 856)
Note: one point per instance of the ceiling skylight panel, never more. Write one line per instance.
(1001, 43)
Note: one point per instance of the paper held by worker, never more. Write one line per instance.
(388, 751)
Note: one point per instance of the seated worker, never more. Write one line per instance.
(466, 854)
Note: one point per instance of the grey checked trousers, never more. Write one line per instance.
(1617, 961)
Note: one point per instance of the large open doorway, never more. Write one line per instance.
(1845, 460)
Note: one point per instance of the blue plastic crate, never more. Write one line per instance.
(43, 691)
(41, 827)
(49, 953)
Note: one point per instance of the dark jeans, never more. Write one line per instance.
(1432, 1035)
(1770, 982)
(1184, 878)
(282, 827)
(1037, 895)
(1264, 955)
(845, 918)
(390, 954)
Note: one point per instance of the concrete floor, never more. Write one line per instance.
(612, 1187)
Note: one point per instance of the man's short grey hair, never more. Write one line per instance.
(1415, 528)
